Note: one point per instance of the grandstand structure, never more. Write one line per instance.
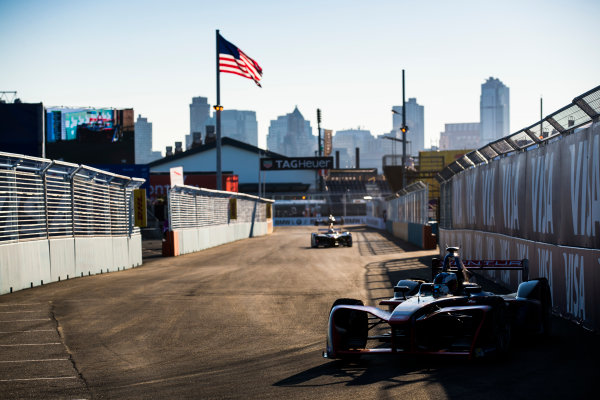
(357, 181)
(346, 193)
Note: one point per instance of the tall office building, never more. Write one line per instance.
(199, 113)
(240, 125)
(460, 136)
(494, 111)
(291, 135)
(346, 142)
(415, 121)
(143, 142)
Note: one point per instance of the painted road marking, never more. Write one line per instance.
(38, 379)
(29, 344)
(25, 361)
(19, 312)
(27, 320)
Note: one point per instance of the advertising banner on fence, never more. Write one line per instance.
(299, 221)
(573, 273)
(139, 207)
(550, 194)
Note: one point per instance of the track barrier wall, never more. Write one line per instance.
(61, 221)
(407, 216)
(204, 218)
(542, 204)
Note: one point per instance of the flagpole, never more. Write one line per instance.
(218, 108)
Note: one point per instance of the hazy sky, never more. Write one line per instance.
(345, 57)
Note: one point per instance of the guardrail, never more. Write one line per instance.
(59, 219)
(582, 110)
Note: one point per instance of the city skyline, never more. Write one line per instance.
(345, 58)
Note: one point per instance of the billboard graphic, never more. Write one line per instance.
(90, 135)
(279, 164)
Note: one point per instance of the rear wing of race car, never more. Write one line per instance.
(484, 265)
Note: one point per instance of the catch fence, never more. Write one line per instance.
(46, 199)
(61, 220)
(192, 207)
(204, 218)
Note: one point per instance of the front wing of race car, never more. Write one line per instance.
(437, 329)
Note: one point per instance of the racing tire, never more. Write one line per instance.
(313, 242)
(355, 327)
(501, 331)
(546, 311)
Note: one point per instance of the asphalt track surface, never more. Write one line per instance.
(247, 320)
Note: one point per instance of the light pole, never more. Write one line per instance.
(403, 129)
(319, 147)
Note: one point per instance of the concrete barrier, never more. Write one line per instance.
(195, 239)
(37, 262)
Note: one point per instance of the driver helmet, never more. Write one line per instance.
(444, 284)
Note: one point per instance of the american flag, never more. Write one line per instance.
(234, 61)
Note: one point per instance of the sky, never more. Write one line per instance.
(344, 57)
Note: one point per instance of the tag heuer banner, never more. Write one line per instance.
(278, 164)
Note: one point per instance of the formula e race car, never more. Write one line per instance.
(330, 238)
(449, 316)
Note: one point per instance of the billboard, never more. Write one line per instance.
(291, 163)
(90, 135)
(65, 123)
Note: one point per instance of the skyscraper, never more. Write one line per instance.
(460, 136)
(494, 111)
(291, 135)
(143, 142)
(199, 113)
(240, 125)
(415, 120)
(346, 141)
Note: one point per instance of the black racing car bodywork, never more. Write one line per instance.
(330, 238)
(470, 323)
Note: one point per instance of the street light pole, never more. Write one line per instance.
(404, 129)
(319, 147)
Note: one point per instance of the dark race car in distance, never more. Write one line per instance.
(330, 238)
(449, 316)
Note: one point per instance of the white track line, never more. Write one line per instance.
(27, 320)
(35, 330)
(29, 344)
(19, 312)
(38, 379)
(25, 361)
